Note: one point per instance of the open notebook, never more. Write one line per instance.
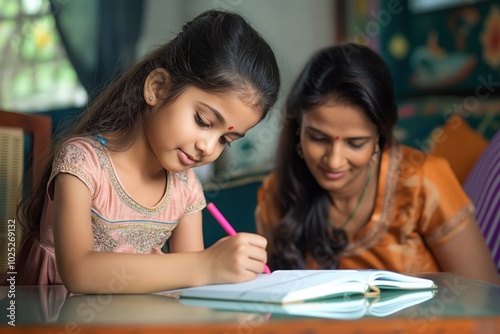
(295, 286)
(355, 307)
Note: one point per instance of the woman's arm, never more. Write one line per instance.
(467, 254)
(464, 250)
(84, 270)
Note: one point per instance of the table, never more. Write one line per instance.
(460, 305)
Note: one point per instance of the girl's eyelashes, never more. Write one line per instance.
(201, 122)
(225, 141)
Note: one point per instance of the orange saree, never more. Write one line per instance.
(419, 203)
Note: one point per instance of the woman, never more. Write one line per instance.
(345, 195)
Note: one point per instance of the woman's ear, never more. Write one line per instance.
(155, 85)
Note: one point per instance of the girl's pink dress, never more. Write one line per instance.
(119, 223)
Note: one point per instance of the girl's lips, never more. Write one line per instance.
(185, 158)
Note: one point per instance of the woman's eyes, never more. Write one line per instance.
(317, 138)
(356, 144)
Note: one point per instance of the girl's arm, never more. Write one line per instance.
(467, 254)
(83, 270)
(188, 234)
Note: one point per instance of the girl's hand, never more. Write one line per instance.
(235, 259)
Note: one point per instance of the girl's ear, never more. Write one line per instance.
(155, 85)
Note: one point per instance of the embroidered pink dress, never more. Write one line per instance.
(119, 223)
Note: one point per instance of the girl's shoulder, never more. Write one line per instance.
(84, 141)
(80, 151)
(83, 157)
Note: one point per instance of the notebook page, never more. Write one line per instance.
(283, 286)
(388, 279)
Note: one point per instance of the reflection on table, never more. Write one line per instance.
(458, 302)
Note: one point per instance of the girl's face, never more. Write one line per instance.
(338, 141)
(194, 129)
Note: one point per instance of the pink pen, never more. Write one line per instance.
(226, 226)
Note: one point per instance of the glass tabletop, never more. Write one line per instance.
(456, 296)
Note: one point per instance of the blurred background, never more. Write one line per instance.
(444, 56)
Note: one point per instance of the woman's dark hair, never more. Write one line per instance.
(217, 51)
(351, 74)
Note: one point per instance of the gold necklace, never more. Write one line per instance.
(338, 236)
(360, 200)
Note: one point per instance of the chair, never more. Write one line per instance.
(483, 188)
(24, 143)
(37, 127)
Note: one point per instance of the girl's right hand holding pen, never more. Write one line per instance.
(235, 258)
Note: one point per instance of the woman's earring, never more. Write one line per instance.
(298, 147)
(151, 98)
(375, 154)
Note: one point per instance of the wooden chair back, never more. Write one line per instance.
(38, 127)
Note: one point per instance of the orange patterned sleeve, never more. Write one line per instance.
(446, 207)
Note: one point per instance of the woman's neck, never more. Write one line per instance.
(345, 200)
(354, 204)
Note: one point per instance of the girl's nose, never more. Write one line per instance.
(207, 144)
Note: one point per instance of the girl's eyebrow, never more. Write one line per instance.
(220, 118)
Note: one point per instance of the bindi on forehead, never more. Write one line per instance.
(230, 128)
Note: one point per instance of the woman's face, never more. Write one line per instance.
(338, 141)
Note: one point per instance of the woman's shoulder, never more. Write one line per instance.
(419, 160)
(268, 188)
(431, 170)
(270, 182)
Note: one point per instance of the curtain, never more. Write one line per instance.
(100, 37)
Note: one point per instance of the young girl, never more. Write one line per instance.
(122, 183)
(345, 195)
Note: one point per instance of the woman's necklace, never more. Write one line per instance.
(339, 236)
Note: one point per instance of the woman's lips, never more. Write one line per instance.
(333, 175)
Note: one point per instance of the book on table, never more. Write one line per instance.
(345, 308)
(298, 286)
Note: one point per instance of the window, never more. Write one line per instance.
(35, 72)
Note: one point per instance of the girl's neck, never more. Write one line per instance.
(139, 157)
(140, 173)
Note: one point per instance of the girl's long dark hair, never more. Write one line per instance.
(347, 73)
(217, 51)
